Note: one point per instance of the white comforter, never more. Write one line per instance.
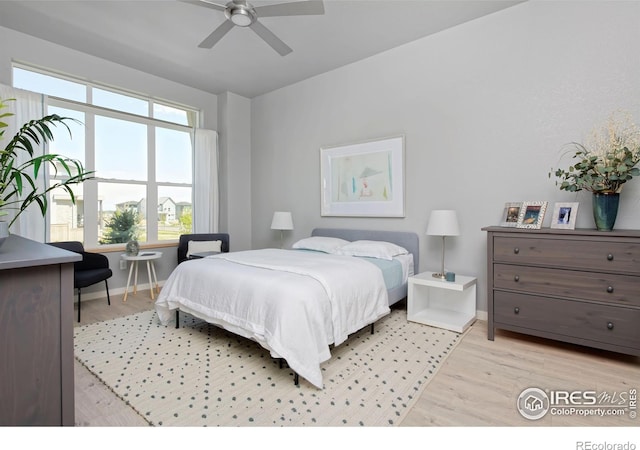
(294, 303)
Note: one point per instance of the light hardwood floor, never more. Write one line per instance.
(477, 385)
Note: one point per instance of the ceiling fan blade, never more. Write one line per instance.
(270, 38)
(217, 34)
(206, 4)
(310, 7)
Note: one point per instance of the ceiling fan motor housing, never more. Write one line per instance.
(240, 13)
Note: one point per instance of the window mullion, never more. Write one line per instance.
(152, 186)
(92, 208)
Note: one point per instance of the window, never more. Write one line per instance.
(140, 151)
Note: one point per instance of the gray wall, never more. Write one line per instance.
(486, 108)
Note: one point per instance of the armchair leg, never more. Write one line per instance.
(108, 298)
(78, 304)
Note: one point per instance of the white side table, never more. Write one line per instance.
(440, 303)
(149, 257)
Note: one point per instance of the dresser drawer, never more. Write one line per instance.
(604, 287)
(594, 322)
(596, 255)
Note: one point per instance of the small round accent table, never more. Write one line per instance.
(149, 257)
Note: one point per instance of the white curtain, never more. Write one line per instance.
(27, 106)
(205, 182)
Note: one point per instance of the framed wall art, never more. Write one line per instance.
(510, 214)
(564, 215)
(531, 215)
(364, 179)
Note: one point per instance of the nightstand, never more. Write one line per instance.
(149, 257)
(440, 303)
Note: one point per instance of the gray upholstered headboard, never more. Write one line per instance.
(406, 239)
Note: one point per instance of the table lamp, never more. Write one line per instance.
(443, 222)
(282, 221)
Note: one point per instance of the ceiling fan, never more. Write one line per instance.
(242, 14)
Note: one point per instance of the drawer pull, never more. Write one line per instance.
(610, 325)
(516, 310)
(610, 289)
(516, 278)
(516, 250)
(609, 257)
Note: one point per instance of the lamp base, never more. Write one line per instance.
(439, 275)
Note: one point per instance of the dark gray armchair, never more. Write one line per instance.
(93, 268)
(183, 243)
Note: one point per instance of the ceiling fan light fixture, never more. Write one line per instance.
(240, 15)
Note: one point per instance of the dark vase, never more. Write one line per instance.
(132, 248)
(605, 210)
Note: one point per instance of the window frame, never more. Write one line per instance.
(90, 187)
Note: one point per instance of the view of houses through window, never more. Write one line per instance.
(140, 151)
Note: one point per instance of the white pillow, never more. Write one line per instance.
(372, 249)
(203, 246)
(320, 244)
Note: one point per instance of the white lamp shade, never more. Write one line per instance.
(443, 222)
(282, 221)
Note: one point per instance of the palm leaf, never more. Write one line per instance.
(16, 181)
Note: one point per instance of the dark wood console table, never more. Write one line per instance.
(36, 334)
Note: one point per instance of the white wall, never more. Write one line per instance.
(235, 168)
(486, 108)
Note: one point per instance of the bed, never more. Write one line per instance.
(297, 303)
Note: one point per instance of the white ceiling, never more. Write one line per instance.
(162, 37)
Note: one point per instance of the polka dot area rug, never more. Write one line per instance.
(202, 375)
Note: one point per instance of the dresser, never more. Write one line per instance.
(36, 334)
(577, 286)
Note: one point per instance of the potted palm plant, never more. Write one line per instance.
(603, 166)
(18, 188)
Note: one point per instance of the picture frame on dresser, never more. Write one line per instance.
(531, 215)
(564, 215)
(510, 214)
